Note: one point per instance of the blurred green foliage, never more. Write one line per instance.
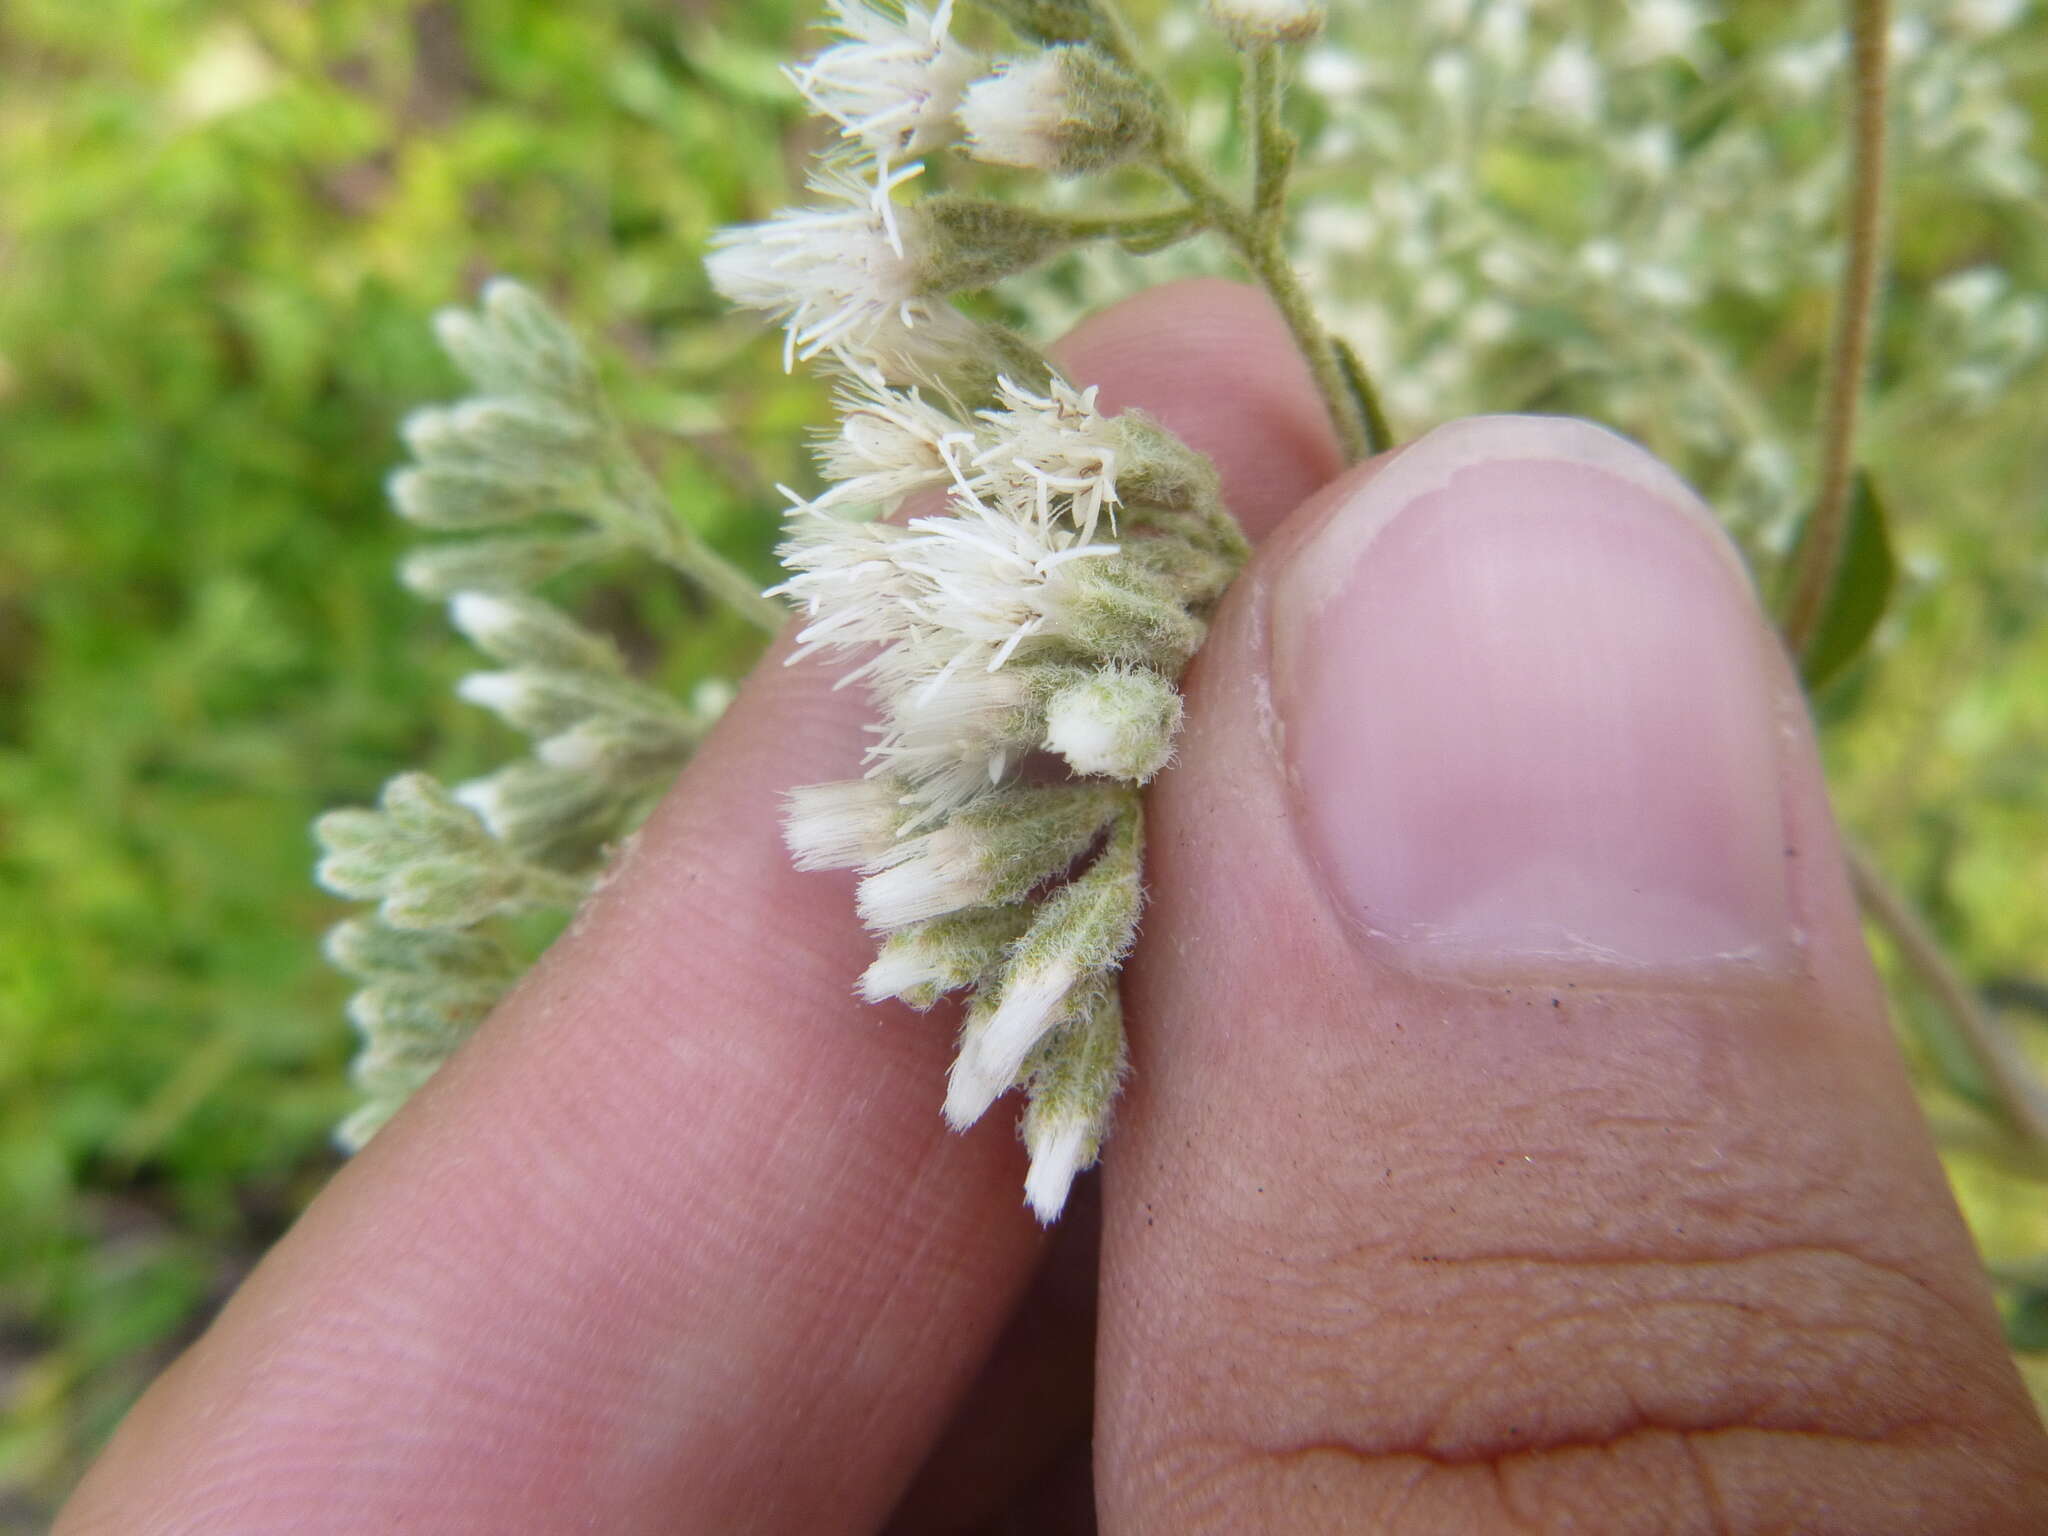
(224, 225)
(223, 230)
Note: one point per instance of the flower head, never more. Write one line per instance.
(1067, 110)
(1250, 22)
(1054, 453)
(842, 278)
(893, 84)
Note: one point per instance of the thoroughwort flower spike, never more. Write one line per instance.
(1040, 596)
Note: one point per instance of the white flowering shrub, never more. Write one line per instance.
(1636, 212)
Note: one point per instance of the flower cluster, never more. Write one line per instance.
(1021, 576)
(1595, 209)
(861, 279)
(527, 478)
(1046, 584)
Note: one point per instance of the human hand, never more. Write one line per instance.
(1515, 1138)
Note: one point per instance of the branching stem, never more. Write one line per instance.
(683, 550)
(1256, 232)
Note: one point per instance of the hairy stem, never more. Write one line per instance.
(1262, 253)
(683, 550)
(2020, 1090)
(1256, 233)
(1820, 552)
(1151, 231)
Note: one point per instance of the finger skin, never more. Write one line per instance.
(1271, 440)
(679, 1241)
(1394, 1252)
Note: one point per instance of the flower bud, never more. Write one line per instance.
(1067, 110)
(1255, 23)
(993, 852)
(1119, 722)
(1079, 936)
(842, 825)
(1073, 1085)
(973, 242)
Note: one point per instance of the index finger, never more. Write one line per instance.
(682, 1229)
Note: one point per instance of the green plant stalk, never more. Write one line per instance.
(1261, 252)
(683, 550)
(1820, 552)
(2020, 1090)
(1256, 233)
(1155, 229)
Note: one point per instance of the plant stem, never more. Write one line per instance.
(1154, 231)
(718, 576)
(2020, 1090)
(657, 528)
(1272, 145)
(1261, 252)
(1256, 233)
(1820, 552)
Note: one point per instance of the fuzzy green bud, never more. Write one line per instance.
(499, 564)
(1261, 23)
(973, 242)
(1080, 933)
(1115, 610)
(523, 631)
(1068, 110)
(1119, 721)
(923, 962)
(1075, 1074)
(994, 851)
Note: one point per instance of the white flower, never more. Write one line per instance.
(893, 85)
(1567, 85)
(1067, 110)
(842, 825)
(1060, 1147)
(901, 967)
(1013, 117)
(987, 579)
(890, 443)
(840, 278)
(848, 579)
(993, 1052)
(924, 877)
(1055, 453)
(1120, 722)
(954, 736)
(509, 693)
(1268, 21)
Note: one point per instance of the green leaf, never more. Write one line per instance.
(1862, 589)
(2026, 1327)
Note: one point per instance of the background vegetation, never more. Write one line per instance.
(223, 227)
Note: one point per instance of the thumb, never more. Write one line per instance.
(1515, 1138)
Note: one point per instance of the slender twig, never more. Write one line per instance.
(1272, 145)
(2019, 1089)
(1154, 230)
(1820, 552)
(1268, 263)
(1256, 232)
(683, 550)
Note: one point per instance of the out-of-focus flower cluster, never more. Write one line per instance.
(1588, 207)
(529, 477)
